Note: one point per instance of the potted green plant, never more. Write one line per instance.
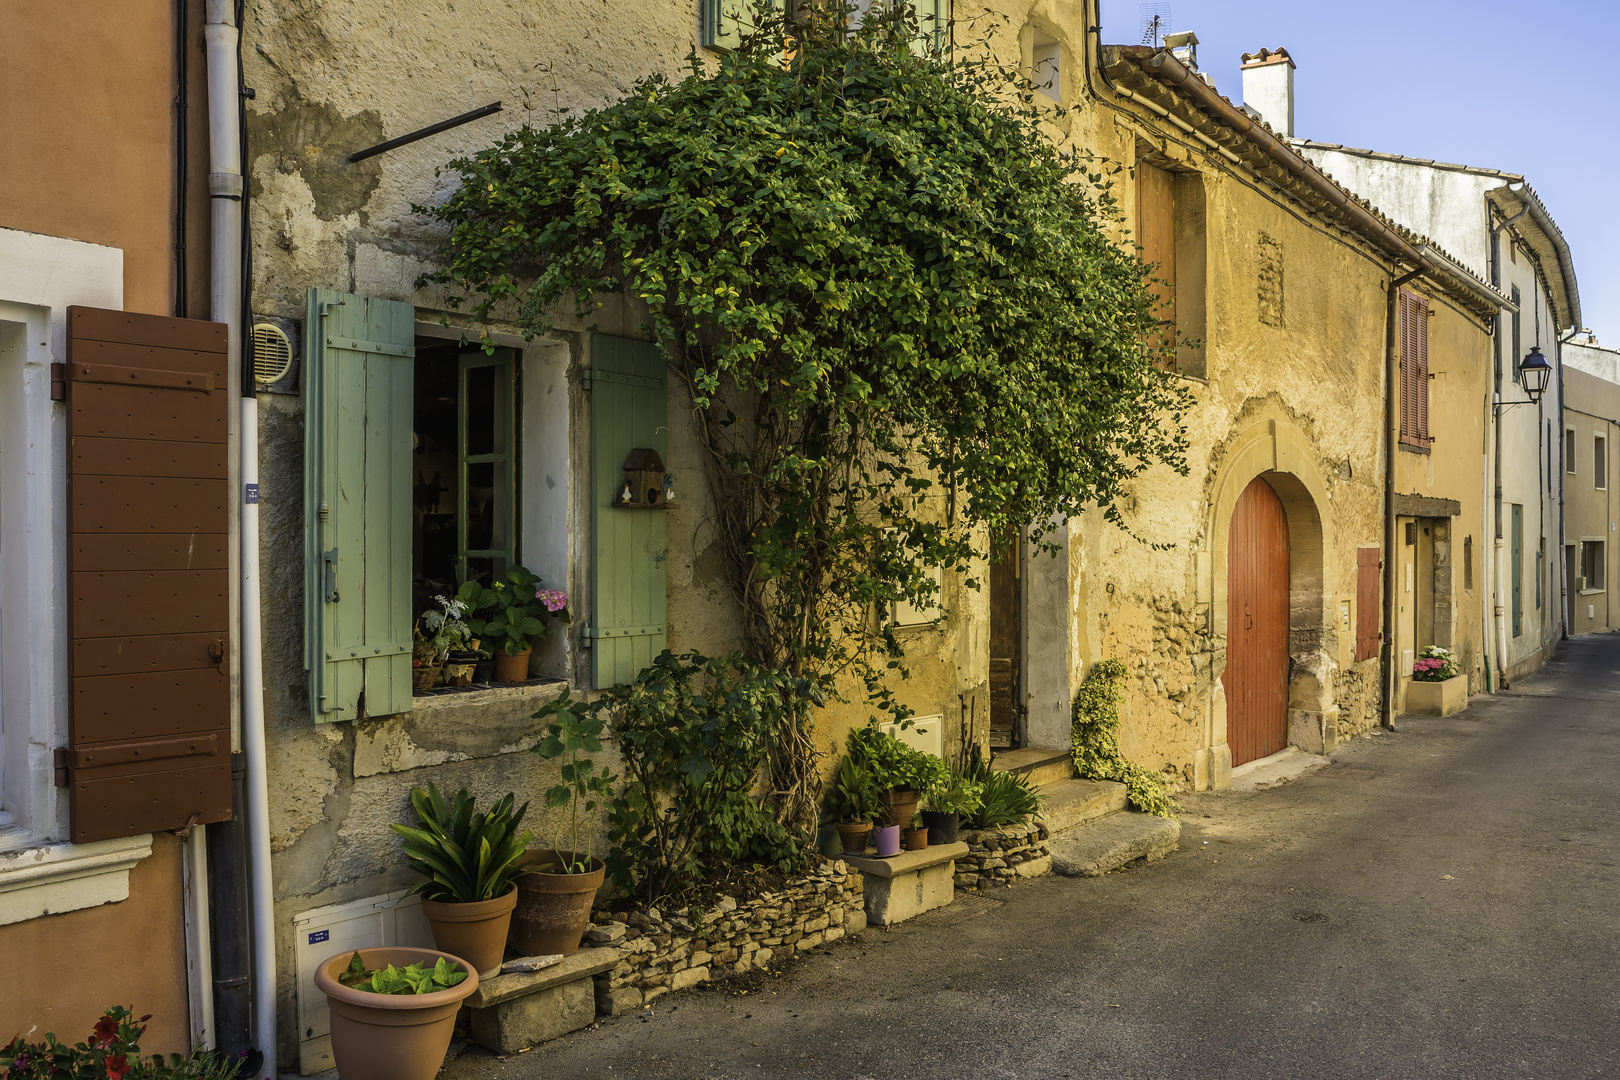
(903, 775)
(554, 898)
(469, 863)
(853, 801)
(437, 632)
(948, 805)
(1004, 798)
(521, 614)
(393, 1010)
(914, 837)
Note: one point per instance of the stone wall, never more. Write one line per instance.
(1000, 856)
(661, 951)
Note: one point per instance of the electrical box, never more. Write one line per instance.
(926, 733)
(321, 933)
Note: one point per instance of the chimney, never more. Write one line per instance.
(1184, 47)
(1268, 88)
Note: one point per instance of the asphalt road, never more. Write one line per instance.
(1440, 902)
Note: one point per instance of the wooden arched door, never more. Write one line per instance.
(1256, 677)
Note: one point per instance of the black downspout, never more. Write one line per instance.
(228, 920)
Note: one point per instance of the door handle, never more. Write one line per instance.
(331, 588)
(1248, 618)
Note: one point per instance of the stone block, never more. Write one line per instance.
(890, 900)
(617, 1002)
(832, 933)
(809, 941)
(653, 994)
(1220, 767)
(689, 977)
(1437, 698)
(811, 926)
(521, 1022)
(763, 957)
(1035, 867)
(855, 921)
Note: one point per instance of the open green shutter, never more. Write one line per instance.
(933, 21)
(627, 630)
(727, 22)
(359, 354)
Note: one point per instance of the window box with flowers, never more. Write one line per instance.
(1437, 687)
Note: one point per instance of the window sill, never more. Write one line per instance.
(1412, 449)
(542, 690)
(49, 879)
(1593, 592)
(455, 724)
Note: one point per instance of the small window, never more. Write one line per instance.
(1541, 572)
(1468, 563)
(1569, 450)
(1170, 226)
(1518, 326)
(1600, 463)
(1591, 565)
(1046, 69)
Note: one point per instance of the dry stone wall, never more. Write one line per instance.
(661, 951)
(998, 857)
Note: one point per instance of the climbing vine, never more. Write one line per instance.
(1094, 741)
(893, 303)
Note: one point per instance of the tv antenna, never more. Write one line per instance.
(1155, 23)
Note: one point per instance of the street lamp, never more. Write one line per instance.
(1535, 371)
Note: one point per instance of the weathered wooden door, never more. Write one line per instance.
(1256, 678)
(1006, 636)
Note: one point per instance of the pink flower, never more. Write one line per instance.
(554, 599)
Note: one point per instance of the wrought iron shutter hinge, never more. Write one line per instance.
(61, 764)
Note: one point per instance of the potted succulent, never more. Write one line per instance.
(903, 775)
(520, 614)
(469, 863)
(948, 805)
(853, 801)
(393, 1010)
(555, 896)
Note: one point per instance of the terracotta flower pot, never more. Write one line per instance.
(915, 839)
(854, 835)
(475, 932)
(888, 841)
(553, 910)
(899, 807)
(511, 668)
(391, 1036)
(942, 827)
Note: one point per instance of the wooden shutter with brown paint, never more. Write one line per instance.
(1156, 229)
(1367, 636)
(1414, 356)
(149, 737)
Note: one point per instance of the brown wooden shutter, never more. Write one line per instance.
(1367, 614)
(1403, 303)
(1420, 367)
(1156, 228)
(149, 737)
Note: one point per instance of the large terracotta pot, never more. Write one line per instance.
(475, 932)
(854, 835)
(899, 807)
(391, 1036)
(553, 910)
(511, 668)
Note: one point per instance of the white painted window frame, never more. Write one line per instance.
(40, 872)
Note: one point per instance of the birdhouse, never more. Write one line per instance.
(643, 480)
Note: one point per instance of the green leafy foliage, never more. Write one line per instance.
(519, 616)
(894, 303)
(574, 736)
(894, 766)
(112, 1052)
(959, 795)
(464, 856)
(695, 733)
(1004, 798)
(411, 979)
(854, 795)
(1094, 741)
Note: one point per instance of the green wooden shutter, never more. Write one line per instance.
(627, 630)
(933, 18)
(359, 355)
(726, 22)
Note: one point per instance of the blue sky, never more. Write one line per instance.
(1523, 87)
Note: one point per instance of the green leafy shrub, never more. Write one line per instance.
(853, 797)
(897, 307)
(111, 1053)
(959, 795)
(1094, 741)
(464, 857)
(695, 733)
(894, 766)
(411, 979)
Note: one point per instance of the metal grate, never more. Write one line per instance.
(272, 354)
(963, 906)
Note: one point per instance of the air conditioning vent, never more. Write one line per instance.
(272, 354)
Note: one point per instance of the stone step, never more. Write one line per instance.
(1075, 802)
(1109, 842)
(1039, 767)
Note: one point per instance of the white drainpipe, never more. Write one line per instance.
(225, 295)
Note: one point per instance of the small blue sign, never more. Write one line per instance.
(253, 497)
(318, 936)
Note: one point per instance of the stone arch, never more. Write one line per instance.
(1283, 456)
